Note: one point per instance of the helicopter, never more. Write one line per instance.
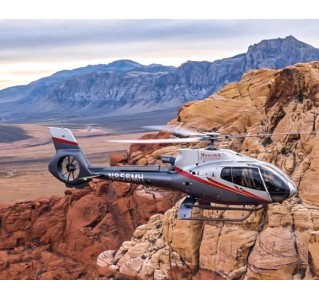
(208, 176)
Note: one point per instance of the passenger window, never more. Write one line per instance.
(247, 177)
(226, 174)
(237, 176)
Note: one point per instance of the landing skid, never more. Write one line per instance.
(186, 208)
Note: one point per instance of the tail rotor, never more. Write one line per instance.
(69, 168)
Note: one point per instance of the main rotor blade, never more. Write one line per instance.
(178, 131)
(159, 141)
(238, 136)
(265, 134)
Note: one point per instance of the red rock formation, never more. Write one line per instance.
(61, 238)
(118, 158)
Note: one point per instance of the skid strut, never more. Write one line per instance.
(186, 208)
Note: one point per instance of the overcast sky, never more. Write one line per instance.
(33, 48)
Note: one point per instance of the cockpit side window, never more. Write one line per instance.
(243, 176)
(276, 187)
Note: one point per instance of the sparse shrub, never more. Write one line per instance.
(267, 141)
(300, 97)
(283, 150)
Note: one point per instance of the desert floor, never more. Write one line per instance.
(24, 171)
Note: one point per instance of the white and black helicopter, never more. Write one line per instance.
(207, 175)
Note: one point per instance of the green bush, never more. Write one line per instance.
(283, 150)
(267, 141)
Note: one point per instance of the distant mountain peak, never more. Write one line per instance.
(291, 37)
(289, 40)
(124, 63)
(293, 41)
(278, 53)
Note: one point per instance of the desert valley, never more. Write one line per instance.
(24, 163)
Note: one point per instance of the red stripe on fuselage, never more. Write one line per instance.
(237, 190)
(57, 140)
(219, 185)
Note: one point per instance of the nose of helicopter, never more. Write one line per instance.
(293, 189)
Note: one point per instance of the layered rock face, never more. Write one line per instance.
(280, 242)
(61, 238)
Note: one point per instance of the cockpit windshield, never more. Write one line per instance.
(261, 177)
(276, 186)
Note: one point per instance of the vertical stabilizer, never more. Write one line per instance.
(63, 138)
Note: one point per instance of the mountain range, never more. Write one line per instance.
(127, 87)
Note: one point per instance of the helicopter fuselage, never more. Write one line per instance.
(219, 176)
(208, 174)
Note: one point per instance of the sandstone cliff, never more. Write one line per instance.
(281, 242)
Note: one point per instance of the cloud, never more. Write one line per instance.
(23, 39)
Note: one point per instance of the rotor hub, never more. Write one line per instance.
(71, 167)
